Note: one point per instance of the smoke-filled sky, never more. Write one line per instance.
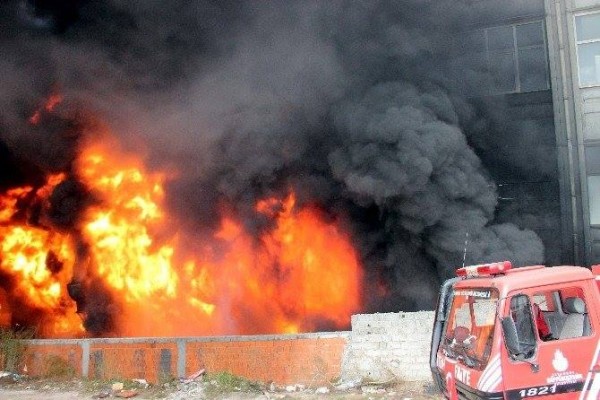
(351, 103)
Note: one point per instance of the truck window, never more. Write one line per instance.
(561, 313)
(574, 321)
(544, 301)
(470, 327)
(544, 312)
(521, 313)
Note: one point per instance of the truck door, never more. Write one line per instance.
(439, 325)
(556, 342)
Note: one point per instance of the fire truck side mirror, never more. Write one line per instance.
(511, 339)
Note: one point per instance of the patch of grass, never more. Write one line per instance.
(166, 379)
(226, 382)
(57, 368)
(13, 347)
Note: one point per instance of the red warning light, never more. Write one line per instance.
(484, 269)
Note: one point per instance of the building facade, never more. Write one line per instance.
(531, 68)
(573, 32)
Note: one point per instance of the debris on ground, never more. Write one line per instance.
(142, 382)
(10, 377)
(322, 390)
(102, 394)
(117, 389)
(126, 394)
(347, 385)
(196, 375)
(202, 386)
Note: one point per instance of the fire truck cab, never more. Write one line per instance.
(514, 333)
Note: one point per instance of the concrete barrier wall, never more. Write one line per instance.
(309, 359)
(388, 346)
(380, 347)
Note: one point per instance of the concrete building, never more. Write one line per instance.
(532, 68)
(573, 31)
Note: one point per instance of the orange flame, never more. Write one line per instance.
(299, 274)
(119, 229)
(40, 261)
(318, 268)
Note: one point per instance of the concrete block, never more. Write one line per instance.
(363, 346)
(390, 344)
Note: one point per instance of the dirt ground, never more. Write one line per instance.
(80, 390)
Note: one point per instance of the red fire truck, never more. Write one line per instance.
(514, 333)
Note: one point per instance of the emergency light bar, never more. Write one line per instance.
(484, 269)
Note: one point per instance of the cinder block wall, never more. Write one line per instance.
(379, 348)
(388, 346)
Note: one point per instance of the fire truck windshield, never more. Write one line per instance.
(470, 326)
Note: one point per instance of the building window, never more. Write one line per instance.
(504, 59)
(594, 198)
(517, 58)
(587, 32)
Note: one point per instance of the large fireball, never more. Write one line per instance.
(300, 273)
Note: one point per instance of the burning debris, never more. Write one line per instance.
(189, 172)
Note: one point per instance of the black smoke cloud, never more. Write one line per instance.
(352, 104)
